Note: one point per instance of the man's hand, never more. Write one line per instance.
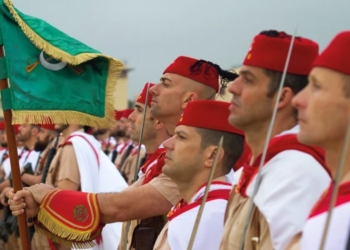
(3, 194)
(23, 199)
(39, 191)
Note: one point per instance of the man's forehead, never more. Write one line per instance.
(139, 105)
(251, 70)
(321, 74)
(171, 77)
(186, 129)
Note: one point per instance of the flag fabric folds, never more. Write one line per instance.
(53, 76)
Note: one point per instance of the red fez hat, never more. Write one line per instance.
(48, 126)
(208, 114)
(2, 125)
(16, 128)
(337, 55)
(126, 113)
(142, 96)
(182, 65)
(118, 114)
(270, 52)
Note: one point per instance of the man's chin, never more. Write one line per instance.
(134, 137)
(167, 169)
(306, 139)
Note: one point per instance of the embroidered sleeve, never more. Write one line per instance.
(70, 218)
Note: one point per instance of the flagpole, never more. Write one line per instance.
(15, 170)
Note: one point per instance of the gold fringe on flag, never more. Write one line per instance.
(64, 116)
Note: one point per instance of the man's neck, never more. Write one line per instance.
(256, 136)
(152, 145)
(71, 129)
(30, 143)
(188, 190)
(104, 136)
(333, 155)
(170, 124)
(126, 139)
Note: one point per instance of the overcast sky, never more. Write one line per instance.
(150, 34)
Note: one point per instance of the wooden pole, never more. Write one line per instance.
(15, 170)
(205, 196)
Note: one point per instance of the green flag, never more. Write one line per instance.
(53, 75)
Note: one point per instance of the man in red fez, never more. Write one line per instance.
(185, 80)
(323, 114)
(154, 134)
(117, 134)
(124, 124)
(281, 204)
(29, 158)
(188, 162)
(45, 138)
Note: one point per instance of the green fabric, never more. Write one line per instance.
(44, 89)
(56, 37)
(6, 99)
(3, 68)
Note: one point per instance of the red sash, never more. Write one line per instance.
(182, 206)
(277, 145)
(155, 170)
(324, 202)
(126, 144)
(135, 150)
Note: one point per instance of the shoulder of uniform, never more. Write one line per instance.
(65, 143)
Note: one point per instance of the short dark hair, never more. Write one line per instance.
(233, 145)
(295, 82)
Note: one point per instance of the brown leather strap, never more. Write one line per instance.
(145, 234)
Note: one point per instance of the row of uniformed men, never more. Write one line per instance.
(291, 205)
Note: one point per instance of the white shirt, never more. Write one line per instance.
(211, 225)
(292, 181)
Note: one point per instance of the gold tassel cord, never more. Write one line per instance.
(61, 231)
(63, 242)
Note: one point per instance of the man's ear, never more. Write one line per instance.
(286, 97)
(210, 153)
(189, 97)
(158, 125)
(35, 131)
